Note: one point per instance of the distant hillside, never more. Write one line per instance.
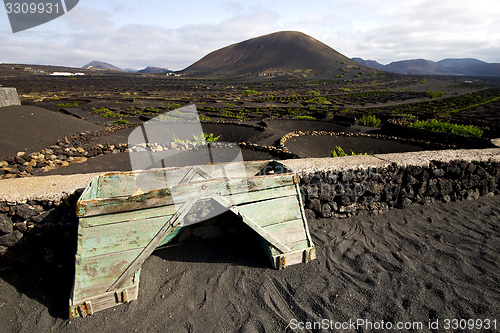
(154, 70)
(369, 63)
(464, 66)
(101, 65)
(273, 54)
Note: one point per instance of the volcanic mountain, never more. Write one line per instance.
(101, 65)
(278, 53)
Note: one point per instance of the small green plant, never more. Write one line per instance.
(68, 105)
(434, 94)
(197, 139)
(202, 117)
(121, 121)
(435, 125)
(250, 92)
(211, 138)
(313, 93)
(107, 113)
(319, 100)
(369, 120)
(100, 110)
(304, 118)
(339, 152)
(227, 114)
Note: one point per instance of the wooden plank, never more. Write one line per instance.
(95, 275)
(175, 231)
(184, 192)
(302, 212)
(141, 214)
(153, 244)
(295, 257)
(110, 238)
(257, 228)
(103, 301)
(260, 195)
(299, 245)
(288, 232)
(272, 211)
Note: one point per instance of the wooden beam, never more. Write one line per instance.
(257, 228)
(164, 231)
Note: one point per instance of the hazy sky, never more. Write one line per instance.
(175, 34)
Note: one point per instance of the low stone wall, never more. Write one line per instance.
(8, 97)
(37, 217)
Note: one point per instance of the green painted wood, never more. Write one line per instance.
(272, 211)
(171, 236)
(288, 232)
(110, 238)
(152, 245)
(141, 214)
(300, 245)
(95, 275)
(260, 195)
(182, 193)
(124, 184)
(115, 216)
(302, 212)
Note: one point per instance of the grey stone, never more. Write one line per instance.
(326, 192)
(314, 205)
(21, 226)
(11, 238)
(25, 211)
(326, 210)
(51, 216)
(8, 97)
(404, 203)
(6, 225)
(438, 172)
(445, 186)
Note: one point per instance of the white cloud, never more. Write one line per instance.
(386, 32)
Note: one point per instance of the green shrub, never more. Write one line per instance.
(313, 93)
(227, 114)
(369, 120)
(100, 110)
(106, 113)
(304, 118)
(447, 127)
(319, 100)
(121, 121)
(250, 92)
(211, 138)
(68, 105)
(339, 152)
(434, 94)
(202, 138)
(202, 117)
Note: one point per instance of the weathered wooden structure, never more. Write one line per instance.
(121, 224)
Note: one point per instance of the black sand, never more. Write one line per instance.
(418, 264)
(31, 129)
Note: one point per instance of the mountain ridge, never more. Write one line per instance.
(448, 66)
